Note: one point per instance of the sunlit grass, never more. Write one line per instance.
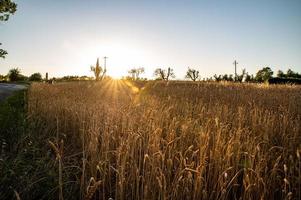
(180, 140)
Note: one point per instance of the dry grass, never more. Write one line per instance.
(120, 140)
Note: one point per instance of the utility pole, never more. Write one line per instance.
(105, 64)
(235, 65)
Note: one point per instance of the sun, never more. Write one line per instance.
(121, 57)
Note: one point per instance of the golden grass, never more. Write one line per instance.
(179, 140)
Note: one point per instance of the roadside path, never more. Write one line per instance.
(7, 89)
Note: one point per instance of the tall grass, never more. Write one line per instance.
(121, 140)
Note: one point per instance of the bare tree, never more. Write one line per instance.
(217, 77)
(164, 74)
(132, 73)
(139, 71)
(170, 73)
(97, 70)
(136, 72)
(159, 73)
(192, 74)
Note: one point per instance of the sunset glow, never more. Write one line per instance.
(150, 99)
(66, 37)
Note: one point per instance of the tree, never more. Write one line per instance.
(249, 78)
(3, 53)
(3, 77)
(14, 74)
(225, 77)
(217, 77)
(132, 73)
(163, 74)
(7, 7)
(135, 72)
(264, 74)
(159, 73)
(169, 74)
(291, 74)
(35, 77)
(280, 74)
(97, 70)
(230, 78)
(192, 74)
(139, 71)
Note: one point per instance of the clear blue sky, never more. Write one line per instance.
(64, 37)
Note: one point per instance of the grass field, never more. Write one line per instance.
(157, 140)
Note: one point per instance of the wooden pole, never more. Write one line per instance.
(235, 65)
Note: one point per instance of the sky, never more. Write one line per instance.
(65, 37)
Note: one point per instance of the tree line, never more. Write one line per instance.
(263, 75)
(15, 74)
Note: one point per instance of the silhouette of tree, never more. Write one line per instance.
(163, 74)
(14, 74)
(135, 72)
(239, 78)
(3, 77)
(7, 7)
(159, 73)
(170, 73)
(225, 77)
(291, 74)
(280, 74)
(218, 77)
(264, 74)
(97, 70)
(249, 78)
(192, 74)
(35, 77)
(3, 53)
(132, 73)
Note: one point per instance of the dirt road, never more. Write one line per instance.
(8, 89)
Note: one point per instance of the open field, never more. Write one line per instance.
(157, 140)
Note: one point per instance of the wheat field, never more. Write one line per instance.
(175, 140)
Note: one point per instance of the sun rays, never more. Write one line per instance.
(114, 89)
